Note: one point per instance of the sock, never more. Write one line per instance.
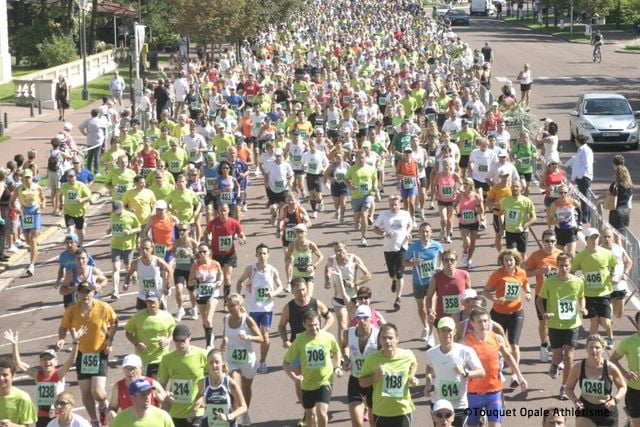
(313, 205)
(207, 336)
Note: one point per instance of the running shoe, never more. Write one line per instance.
(544, 354)
(514, 381)
(553, 370)
(396, 304)
(363, 242)
(180, 314)
(563, 395)
(314, 215)
(262, 368)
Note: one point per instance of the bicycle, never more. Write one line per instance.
(597, 53)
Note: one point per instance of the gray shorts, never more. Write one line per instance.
(358, 205)
(120, 255)
(54, 179)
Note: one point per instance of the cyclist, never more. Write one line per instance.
(597, 40)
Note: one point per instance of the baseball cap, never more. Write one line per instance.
(48, 352)
(85, 287)
(278, 152)
(363, 310)
(591, 231)
(117, 206)
(27, 173)
(408, 150)
(300, 227)
(469, 294)
(139, 385)
(71, 172)
(67, 126)
(295, 132)
(132, 360)
(503, 172)
(181, 332)
(366, 144)
(151, 295)
(442, 404)
(71, 238)
(209, 155)
(494, 104)
(447, 322)
(161, 204)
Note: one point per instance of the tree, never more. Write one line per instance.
(592, 8)
(207, 21)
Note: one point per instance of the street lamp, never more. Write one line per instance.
(84, 6)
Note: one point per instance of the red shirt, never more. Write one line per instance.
(251, 88)
(45, 389)
(222, 235)
(124, 398)
(449, 288)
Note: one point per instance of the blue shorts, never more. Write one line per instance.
(357, 205)
(490, 401)
(405, 194)
(338, 190)
(262, 318)
(31, 219)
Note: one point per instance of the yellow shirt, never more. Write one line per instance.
(497, 193)
(142, 202)
(100, 318)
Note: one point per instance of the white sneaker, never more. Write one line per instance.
(341, 219)
(288, 288)
(415, 224)
(321, 207)
(544, 354)
(244, 208)
(469, 265)
(483, 224)
(194, 314)
(561, 366)
(448, 239)
(179, 314)
(363, 241)
(431, 341)
(13, 248)
(314, 215)
(464, 258)
(425, 333)
(422, 214)
(20, 243)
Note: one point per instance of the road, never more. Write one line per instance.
(562, 72)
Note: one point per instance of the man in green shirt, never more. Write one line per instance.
(363, 181)
(16, 407)
(75, 196)
(519, 215)
(185, 204)
(401, 141)
(466, 141)
(222, 142)
(597, 265)
(180, 372)
(561, 299)
(124, 231)
(318, 353)
(176, 158)
(391, 371)
(120, 178)
(630, 348)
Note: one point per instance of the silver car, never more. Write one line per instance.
(605, 119)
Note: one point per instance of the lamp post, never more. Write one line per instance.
(84, 6)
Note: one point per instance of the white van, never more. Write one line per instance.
(481, 7)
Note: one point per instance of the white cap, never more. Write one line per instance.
(442, 404)
(503, 172)
(132, 360)
(278, 152)
(67, 126)
(363, 310)
(591, 232)
(161, 204)
(469, 293)
(300, 227)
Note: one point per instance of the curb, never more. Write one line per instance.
(629, 52)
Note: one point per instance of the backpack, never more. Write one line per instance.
(52, 162)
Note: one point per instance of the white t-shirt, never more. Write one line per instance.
(482, 162)
(551, 149)
(315, 163)
(191, 144)
(76, 421)
(279, 175)
(493, 172)
(398, 224)
(448, 384)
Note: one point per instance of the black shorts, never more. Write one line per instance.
(464, 161)
(395, 263)
(598, 307)
(152, 370)
(618, 294)
(525, 87)
(399, 421)
(496, 222)
(632, 402)
(484, 185)
(78, 222)
(184, 422)
(180, 276)
(97, 364)
(358, 394)
(419, 291)
(362, 132)
(445, 204)
(43, 421)
(475, 226)
(544, 304)
(511, 323)
(565, 237)
(230, 259)
(559, 338)
(517, 240)
(525, 175)
(314, 183)
(338, 190)
(598, 414)
(311, 397)
(424, 182)
(299, 172)
(209, 199)
(275, 198)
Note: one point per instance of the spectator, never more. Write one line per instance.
(622, 189)
(117, 86)
(95, 129)
(581, 165)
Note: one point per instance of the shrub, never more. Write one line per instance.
(56, 50)
(25, 43)
(632, 45)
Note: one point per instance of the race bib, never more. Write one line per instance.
(468, 145)
(313, 168)
(72, 196)
(240, 355)
(526, 161)
(208, 183)
(592, 387)
(225, 243)
(226, 197)
(205, 289)
(450, 390)
(451, 304)
(316, 357)
(45, 393)
(363, 187)
(121, 189)
(183, 257)
(28, 222)
(145, 171)
(159, 250)
(511, 291)
(555, 191)
(593, 279)
(393, 385)
(211, 411)
(90, 363)
(148, 284)
(182, 390)
(339, 177)
(426, 269)
(174, 166)
(289, 235)
(279, 185)
(262, 294)
(512, 217)
(408, 182)
(468, 215)
(567, 309)
(446, 191)
(356, 365)
(117, 229)
(296, 158)
(551, 273)
(483, 168)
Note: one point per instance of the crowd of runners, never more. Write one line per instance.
(369, 113)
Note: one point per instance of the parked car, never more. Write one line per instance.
(442, 9)
(482, 7)
(605, 119)
(458, 17)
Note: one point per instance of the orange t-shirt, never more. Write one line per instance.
(409, 168)
(509, 286)
(162, 231)
(488, 352)
(539, 259)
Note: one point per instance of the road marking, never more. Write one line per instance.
(30, 340)
(590, 79)
(609, 78)
(544, 78)
(44, 307)
(566, 79)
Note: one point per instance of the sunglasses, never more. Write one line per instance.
(183, 229)
(549, 240)
(363, 297)
(62, 403)
(443, 415)
(362, 317)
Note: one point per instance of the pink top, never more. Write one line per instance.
(467, 209)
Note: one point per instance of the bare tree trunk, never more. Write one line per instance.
(91, 39)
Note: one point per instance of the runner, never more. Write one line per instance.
(226, 189)
(289, 216)
(620, 273)
(261, 283)
(206, 278)
(424, 256)
(543, 264)
(16, 406)
(141, 412)
(519, 215)
(67, 262)
(181, 371)
(140, 200)
(319, 356)
(186, 250)
(76, 197)
(446, 187)
(335, 174)
(470, 211)
(94, 347)
(299, 258)
(152, 274)
(84, 271)
(564, 213)
(161, 229)
(341, 274)
(597, 265)
(504, 288)
(28, 199)
(315, 163)
(185, 205)
(279, 177)
(395, 226)
(240, 332)
(124, 229)
(357, 342)
(564, 295)
(363, 181)
(391, 371)
(120, 178)
(498, 192)
(450, 367)
(407, 173)
(65, 401)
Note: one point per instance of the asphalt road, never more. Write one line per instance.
(34, 308)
